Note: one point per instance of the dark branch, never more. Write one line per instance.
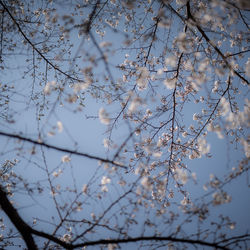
(21, 226)
(43, 144)
(26, 231)
(151, 238)
(204, 35)
(34, 47)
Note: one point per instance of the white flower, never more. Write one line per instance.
(51, 133)
(142, 80)
(137, 131)
(85, 189)
(182, 41)
(181, 2)
(146, 183)
(105, 44)
(195, 117)
(104, 116)
(171, 61)
(55, 174)
(106, 143)
(184, 134)
(247, 67)
(112, 246)
(170, 83)
(134, 104)
(160, 71)
(225, 106)
(181, 175)
(59, 126)
(105, 180)
(66, 237)
(83, 85)
(47, 88)
(105, 189)
(218, 131)
(184, 201)
(194, 176)
(221, 198)
(216, 86)
(194, 155)
(66, 158)
(157, 154)
(188, 65)
(203, 147)
(204, 65)
(149, 112)
(246, 146)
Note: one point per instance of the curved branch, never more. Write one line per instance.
(21, 226)
(204, 35)
(212, 113)
(151, 238)
(26, 231)
(43, 144)
(34, 47)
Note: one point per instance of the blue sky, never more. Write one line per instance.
(89, 133)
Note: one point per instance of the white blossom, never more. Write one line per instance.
(157, 154)
(247, 67)
(195, 116)
(203, 65)
(66, 237)
(104, 116)
(104, 189)
(184, 134)
(48, 87)
(59, 126)
(66, 158)
(56, 174)
(194, 155)
(170, 83)
(203, 147)
(246, 147)
(171, 61)
(225, 106)
(105, 180)
(93, 216)
(216, 86)
(181, 175)
(221, 197)
(105, 44)
(142, 80)
(83, 85)
(149, 112)
(181, 2)
(146, 183)
(136, 102)
(106, 143)
(85, 189)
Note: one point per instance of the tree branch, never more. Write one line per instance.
(21, 226)
(204, 35)
(73, 152)
(26, 231)
(34, 47)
